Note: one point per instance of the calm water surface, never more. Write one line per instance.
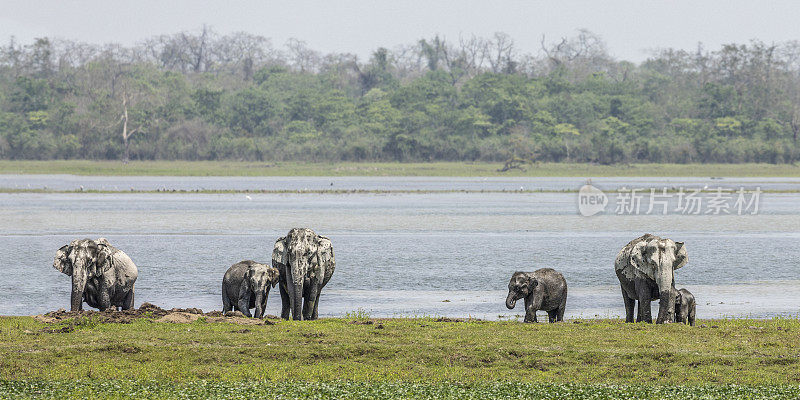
(399, 254)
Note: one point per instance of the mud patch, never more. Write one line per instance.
(63, 329)
(147, 311)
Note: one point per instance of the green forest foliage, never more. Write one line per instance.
(204, 96)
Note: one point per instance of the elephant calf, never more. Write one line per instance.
(685, 307)
(246, 285)
(544, 289)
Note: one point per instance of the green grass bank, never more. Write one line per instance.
(233, 168)
(360, 358)
(755, 352)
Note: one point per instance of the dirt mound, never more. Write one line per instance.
(145, 311)
(447, 319)
(184, 317)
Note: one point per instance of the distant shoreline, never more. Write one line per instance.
(374, 169)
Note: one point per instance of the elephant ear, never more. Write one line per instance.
(103, 259)
(642, 253)
(61, 261)
(279, 254)
(248, 273)
(244, 286)
(325, 255)
(532, 283)
(681, 256)
(274, 275)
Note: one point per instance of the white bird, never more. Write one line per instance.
(247, 196)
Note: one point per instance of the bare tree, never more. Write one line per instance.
(580, 56)
(126, 133)
(500, 53)
(302, 58)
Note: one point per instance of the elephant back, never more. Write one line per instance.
(122, 265)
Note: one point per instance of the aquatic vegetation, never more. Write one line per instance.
(204, 389)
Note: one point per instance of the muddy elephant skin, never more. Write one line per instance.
(685, 307)
(646, 268)
(246, 285)
(306, 263)
(544, 289)
(102, 275)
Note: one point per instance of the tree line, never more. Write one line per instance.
(205, 96)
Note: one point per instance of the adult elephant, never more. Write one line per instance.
(645, 268)
(306, 263)
(102, 275)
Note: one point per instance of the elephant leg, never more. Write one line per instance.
(681, 314)
(226, 302)
(127, 304)
(560, 314)
(645, 294)
(310, 302)
(551, 316)
(285, 303)
(315, 314)
(244, 301)
(530, 313)
(104, 297)
(561, 308)
(691, 316)
(630, 304)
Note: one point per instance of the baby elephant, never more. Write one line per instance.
(544, 289)
(246, 285)
(684, 307)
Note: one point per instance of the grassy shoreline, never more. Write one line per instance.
(425, 358)
(458, 169)
(423, 350)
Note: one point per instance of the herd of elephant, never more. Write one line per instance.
(302, 264)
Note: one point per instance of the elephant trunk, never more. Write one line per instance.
(259, 312)
(666, 306)
(294, 285)
(78, 286)
(511, 301)
(297, 302)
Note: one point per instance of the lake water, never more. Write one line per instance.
(398, 254)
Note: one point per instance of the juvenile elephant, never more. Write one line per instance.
(102, 275)
(685, 307)
(306, 263)
(544, 289)
(646, 271)
(246, 285)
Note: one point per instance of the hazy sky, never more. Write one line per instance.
(630, 28)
